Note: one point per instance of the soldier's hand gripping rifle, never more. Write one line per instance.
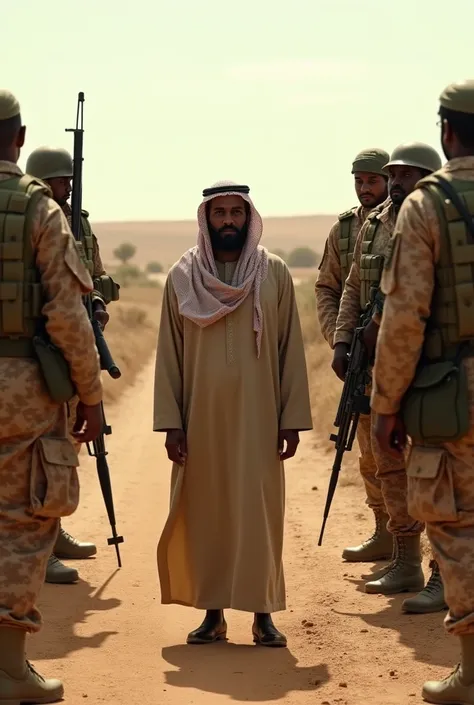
(106, 360)
(352, 404)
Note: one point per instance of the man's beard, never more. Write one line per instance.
(370, 201)
(62, 201)
(397, 196)
(228, 242)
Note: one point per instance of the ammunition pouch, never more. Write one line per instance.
(107, 288)
(371, 267)
(54, 482)
(55, 370)
(346, 242)
(435, 409)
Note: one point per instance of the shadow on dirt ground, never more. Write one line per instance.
(61, 611)
(244, 673)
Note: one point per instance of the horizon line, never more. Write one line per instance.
(194, 220)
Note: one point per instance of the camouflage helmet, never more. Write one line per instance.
(49, 163)
(416, 154)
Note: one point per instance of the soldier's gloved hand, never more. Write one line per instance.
(100, 314)
(292, 439)
(176, 446)
(89, 423)
(340, 360)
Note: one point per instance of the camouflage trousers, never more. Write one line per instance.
(393, 479)
(26, 541)
(38, 479)
(367, 465)
(441, 493)
(71, 420)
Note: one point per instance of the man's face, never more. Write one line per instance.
(227, 220)
(371, 189)
(61, 188)
(402, 181)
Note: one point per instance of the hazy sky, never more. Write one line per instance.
(279, 95)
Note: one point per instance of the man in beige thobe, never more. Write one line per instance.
(231, 393)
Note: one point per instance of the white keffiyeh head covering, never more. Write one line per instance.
(202, 297)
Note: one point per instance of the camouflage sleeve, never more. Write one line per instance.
(65, 280)
(407, 282)
(349, 310)
(328, 287)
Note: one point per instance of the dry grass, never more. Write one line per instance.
(325, 388)
(131, 335)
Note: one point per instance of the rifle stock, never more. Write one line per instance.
(352, 404)
(106, 361)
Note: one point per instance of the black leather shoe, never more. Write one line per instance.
(214, 628)
(265, 633)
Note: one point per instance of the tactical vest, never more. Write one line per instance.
(21, 292)
(104, 285)
(346, 242)
(86, 244)
(371, 266)
(451, 322)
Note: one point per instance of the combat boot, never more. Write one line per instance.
(431, 598)
(376, 548)
(458, 688)
(58, 573)
(19, 682)
(377, 574)
(70, 548)
(405, 574)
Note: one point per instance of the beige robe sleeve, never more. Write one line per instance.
(65, 279)
(295, 403)
(168, 395)
(408, 283)
(349, 310)
(328, 287)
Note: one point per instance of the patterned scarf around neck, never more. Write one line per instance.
(202, 297)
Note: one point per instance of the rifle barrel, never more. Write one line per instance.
(106, 360)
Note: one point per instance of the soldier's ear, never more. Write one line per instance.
(20, 140)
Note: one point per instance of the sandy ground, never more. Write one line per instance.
(111, 641)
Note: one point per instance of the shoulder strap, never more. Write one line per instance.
(349, 214)
(345, 227)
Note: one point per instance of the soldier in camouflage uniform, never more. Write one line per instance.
(408, 163)
(54, 167)
(424, 371)
(370, 181)
(42, 283)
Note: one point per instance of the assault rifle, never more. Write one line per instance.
(352, 404)
(106, 360)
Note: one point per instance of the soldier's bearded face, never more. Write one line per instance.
(227, 222)
(61, 188)
(371, 189)
(401, 182)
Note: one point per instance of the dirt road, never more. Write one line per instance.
(111, 641)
